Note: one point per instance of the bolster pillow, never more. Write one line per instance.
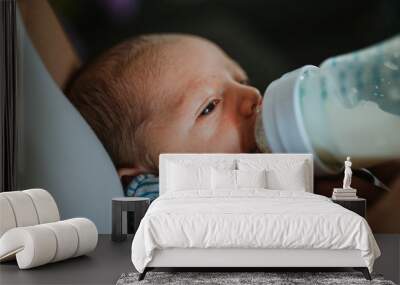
(51, 242)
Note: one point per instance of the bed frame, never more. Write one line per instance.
(246, 259)
(242, 259)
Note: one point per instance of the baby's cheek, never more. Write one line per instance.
(228, 138)
(208, 138)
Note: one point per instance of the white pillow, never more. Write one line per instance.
(235, 179)
(293, 179)
(188, 177)
(223, 179)
(282, 174)
(251, 178)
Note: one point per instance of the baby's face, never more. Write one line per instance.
(204, 104)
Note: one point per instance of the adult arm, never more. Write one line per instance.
(50, 40)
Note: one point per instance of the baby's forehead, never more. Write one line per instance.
(179, 69)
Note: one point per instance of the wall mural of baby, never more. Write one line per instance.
(166, 94)
(173, 93)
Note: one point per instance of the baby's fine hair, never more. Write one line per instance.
(109, 93)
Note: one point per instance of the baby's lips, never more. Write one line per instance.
(259, 106)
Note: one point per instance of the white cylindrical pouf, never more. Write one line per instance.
(7, 218)
(23, 208)
(45, 205)
(40, 244)
(33, 246)
(87, 233)
(67, 239)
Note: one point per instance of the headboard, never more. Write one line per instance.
(209, 158)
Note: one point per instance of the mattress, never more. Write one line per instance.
(251, 219)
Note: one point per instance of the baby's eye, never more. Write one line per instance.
(210, 107)
(244, 81)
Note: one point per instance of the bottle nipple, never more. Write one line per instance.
(260, 135)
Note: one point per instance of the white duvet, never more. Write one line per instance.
(253, 218)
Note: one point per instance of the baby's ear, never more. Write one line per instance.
(134, 171)
(126, 174)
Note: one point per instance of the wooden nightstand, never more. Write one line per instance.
(357, 205)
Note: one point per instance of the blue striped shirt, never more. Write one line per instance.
(143, 185)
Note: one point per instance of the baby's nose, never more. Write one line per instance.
(251, 101)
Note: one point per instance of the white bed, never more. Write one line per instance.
(251, 226)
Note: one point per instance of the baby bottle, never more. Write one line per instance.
(349, 106)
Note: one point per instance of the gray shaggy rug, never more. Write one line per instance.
(242, 278)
